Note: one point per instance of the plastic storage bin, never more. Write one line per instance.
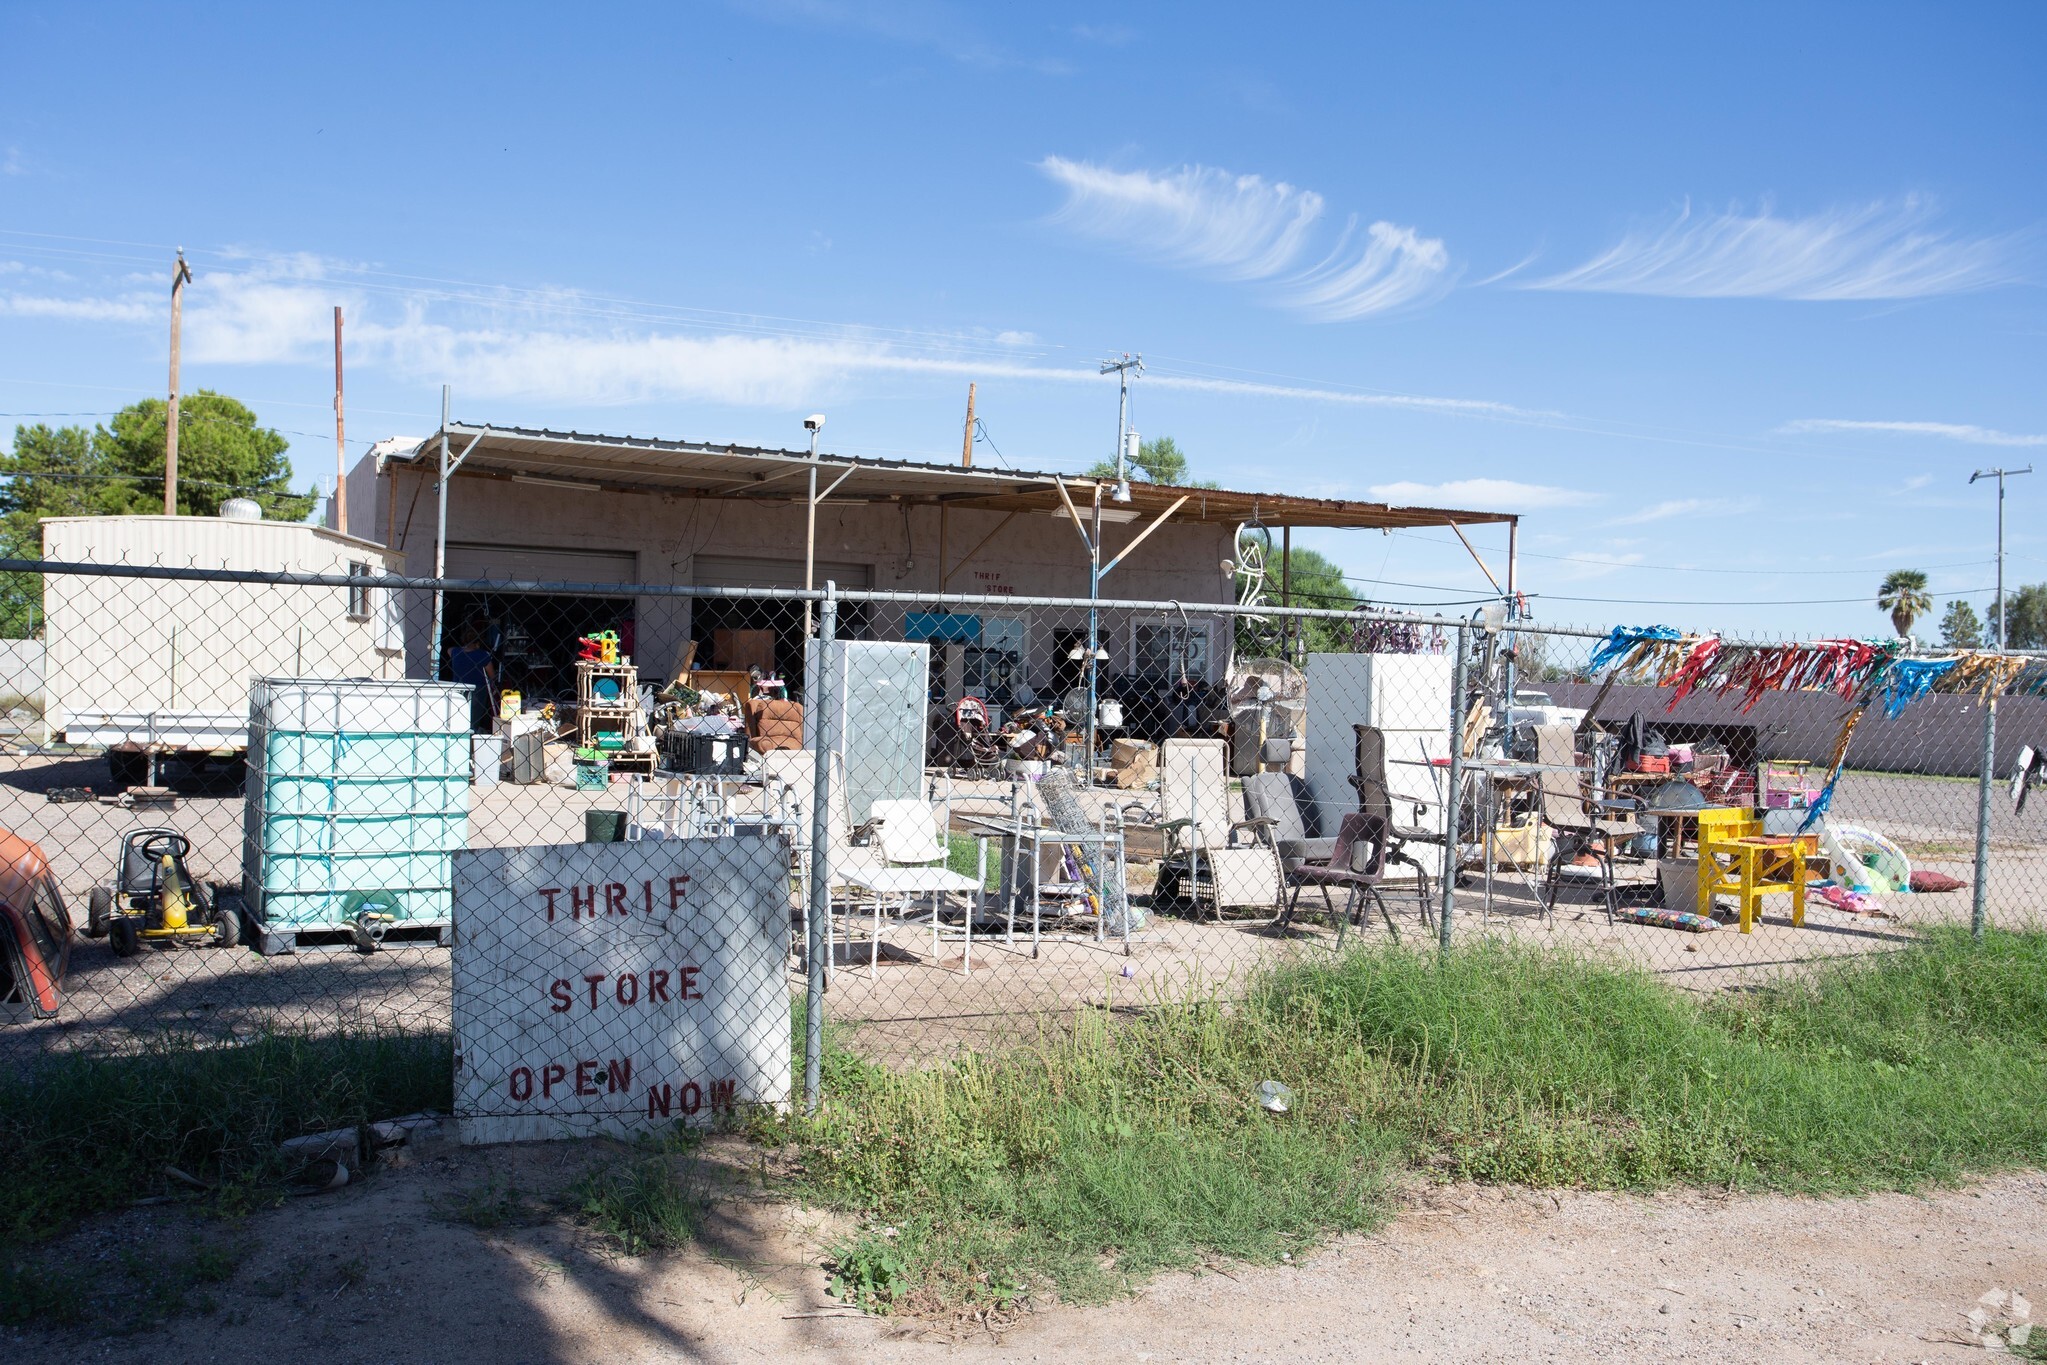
(708, 755)
(358, 791)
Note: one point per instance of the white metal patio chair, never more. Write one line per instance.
(1212, 853)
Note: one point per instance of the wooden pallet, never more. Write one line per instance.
(284, 940)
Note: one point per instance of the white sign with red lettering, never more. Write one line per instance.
(610, 988)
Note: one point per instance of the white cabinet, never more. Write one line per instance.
(869, 699)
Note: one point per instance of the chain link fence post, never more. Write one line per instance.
(1461, 644)
(1986, 776)
(816, 944)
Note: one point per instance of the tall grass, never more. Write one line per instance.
(87, 1133)
(1106, 1153)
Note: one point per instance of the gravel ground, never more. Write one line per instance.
(925, 1004)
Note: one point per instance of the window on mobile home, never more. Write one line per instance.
(358, 593)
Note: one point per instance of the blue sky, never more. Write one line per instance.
(1728, 301)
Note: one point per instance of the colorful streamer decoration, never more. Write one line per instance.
(1862, 672)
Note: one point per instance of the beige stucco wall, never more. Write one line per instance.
(1033, 555)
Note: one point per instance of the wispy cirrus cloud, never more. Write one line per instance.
(554, 344)
(1872, 251)
(1948, 431)
(1684, 507)
(125, 308)
(1248, 228)
(1505, 494)
(951, 30)
(1241, 227)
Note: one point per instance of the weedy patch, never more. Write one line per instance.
(1091, 1159)
(496, 1201)
(870, 1271)
(654, 1199)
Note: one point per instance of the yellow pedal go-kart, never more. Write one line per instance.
(155, 900)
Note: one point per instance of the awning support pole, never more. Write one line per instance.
(440, 543)
(1290, 628)
(810, 535)
(448, 468)
(1079, 526)
(1475, 559)
(946, 577)
(1094, 629)
(1156, 522)
(810, 526)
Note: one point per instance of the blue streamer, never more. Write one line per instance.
(1907, 680)
(1625, 638)
(1817, 811)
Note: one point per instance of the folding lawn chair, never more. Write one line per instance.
(1211, 853)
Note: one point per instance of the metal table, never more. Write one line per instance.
(1022, 835)
(1496, 774)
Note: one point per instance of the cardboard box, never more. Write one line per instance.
(1134, 763)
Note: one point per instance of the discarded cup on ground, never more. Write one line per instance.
(1274, 1098)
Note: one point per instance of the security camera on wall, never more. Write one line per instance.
(814, 422)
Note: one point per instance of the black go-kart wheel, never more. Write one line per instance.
(227, 921)
(99, 908)
(126, 935)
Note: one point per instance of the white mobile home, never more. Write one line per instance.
(149, 667)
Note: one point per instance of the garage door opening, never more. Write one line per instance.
(532, 636)
(764, 630)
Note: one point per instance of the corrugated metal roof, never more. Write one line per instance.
(703, 469)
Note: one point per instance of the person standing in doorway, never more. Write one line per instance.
(472, 665)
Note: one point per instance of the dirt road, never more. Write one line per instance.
(386, 1272)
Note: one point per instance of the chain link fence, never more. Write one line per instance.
(244, 802)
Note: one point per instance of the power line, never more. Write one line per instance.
(1732, 602)
(981, 429)
(185, 419)
(1693, 568)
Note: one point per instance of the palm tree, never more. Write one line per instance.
(1903, 595)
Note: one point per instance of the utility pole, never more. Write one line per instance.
(181, 275)
(967, 441)
(1123, 369)
(1979, 910)
(340, 436)
(2000, 475)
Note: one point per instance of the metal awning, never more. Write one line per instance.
(744, 473)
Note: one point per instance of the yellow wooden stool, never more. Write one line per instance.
(1756, 866)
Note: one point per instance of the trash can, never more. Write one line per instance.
(529, 756)
(603, 826)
